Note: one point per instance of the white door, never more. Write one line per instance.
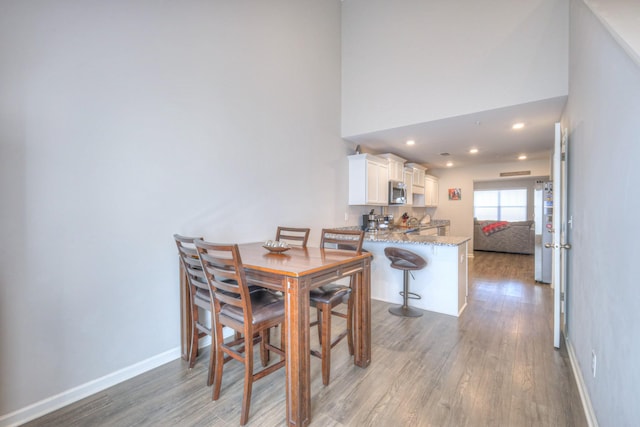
(564, 245)
(559, 244)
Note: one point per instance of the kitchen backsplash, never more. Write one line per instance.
(397, 211)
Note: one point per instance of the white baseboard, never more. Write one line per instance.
(592, 421)
(65, 398)
(462, 309)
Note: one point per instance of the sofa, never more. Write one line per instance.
(516, 237)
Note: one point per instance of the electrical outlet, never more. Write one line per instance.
(346, 216)
(593, 363)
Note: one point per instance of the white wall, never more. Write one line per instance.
(460, 212)
(604, 150)
(620, 17)
(122, 123)
(413, 61)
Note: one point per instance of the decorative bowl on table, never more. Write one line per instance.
(275, 246)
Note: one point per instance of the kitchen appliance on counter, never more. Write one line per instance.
(385, 222)
(397, 193)
(366, 224)
(372, 222)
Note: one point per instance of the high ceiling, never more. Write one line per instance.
(488, 131)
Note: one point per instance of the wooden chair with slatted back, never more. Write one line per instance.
(249, 313)
(199, 297)
(293, 235)
(327, 297)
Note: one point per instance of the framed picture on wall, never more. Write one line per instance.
(455, 194)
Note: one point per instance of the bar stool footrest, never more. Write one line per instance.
(410, 295)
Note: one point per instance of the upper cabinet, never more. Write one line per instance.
(431, 188)
(418, 178)
(396, 166)
(368, 180)
(408, 183)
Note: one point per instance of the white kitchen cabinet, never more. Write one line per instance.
(418, 200)
(431, 188)
(418, 178)
(368, 180)
(396, 166)
(408, 182)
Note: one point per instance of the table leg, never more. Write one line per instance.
(362, 316)
(298, 375)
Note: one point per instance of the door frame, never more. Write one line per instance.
(559, 245)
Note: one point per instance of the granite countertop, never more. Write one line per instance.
(435, 223)
(402, 228)
(415, 239)
(400, 235)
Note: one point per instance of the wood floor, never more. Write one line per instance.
(493, 366)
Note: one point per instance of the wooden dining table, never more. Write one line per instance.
(294, 273)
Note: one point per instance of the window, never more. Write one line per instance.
(500, 205)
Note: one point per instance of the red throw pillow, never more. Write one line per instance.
(491, 228)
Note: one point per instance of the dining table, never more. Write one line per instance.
(295, 272)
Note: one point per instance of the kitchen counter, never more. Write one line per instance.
(411, 235)
(436, 223)
(443, 283)
(413, 238)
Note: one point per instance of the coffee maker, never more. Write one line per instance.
(370, 222)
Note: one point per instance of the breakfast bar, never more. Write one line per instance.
(442, 284)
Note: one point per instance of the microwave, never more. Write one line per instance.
(397, 193)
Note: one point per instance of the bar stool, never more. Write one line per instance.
(402, 259)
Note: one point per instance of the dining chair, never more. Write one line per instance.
(327, 297)
(295, 235)
(250, 314)
(199, 297)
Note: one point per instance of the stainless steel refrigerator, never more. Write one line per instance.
(543, 206)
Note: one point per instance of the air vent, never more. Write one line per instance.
(517, 173)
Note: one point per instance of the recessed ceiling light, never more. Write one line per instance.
(411, 142)
(517, 126)
(449, 164)
(522, 157)
(473, 151)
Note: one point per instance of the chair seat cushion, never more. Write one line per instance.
(264, 304)
(405, 265)
(329, 294)
(403, 259)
